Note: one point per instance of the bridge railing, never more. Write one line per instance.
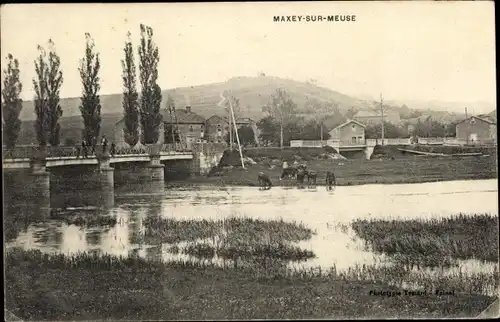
(21, 152)
(28, 152)
(134, 150)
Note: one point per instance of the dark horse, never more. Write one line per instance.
(330, 180)
(264, 181)
(301, 174)
(311, 177)
(290, 172)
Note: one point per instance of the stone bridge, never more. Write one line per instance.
(46, 164)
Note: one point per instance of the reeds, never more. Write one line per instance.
(245, 229)
(433, 242)
(461, 282)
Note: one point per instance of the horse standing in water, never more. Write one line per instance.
(290, 172)
(330, 180)
(264, 181)
(311, 177)
(301, 174)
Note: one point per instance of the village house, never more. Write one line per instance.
(369, 117)
(217, 127)
(191, 126)
(477, 130)
(351, 132)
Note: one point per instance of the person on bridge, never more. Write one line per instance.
(104, 143)
(77, 148)
(112, 149)
(84, 148)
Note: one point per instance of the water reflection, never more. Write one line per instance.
(63, 198)
(328, 213)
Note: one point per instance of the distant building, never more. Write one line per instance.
(217, 127)
(369, 117)
(351, 132)
(477, 130)
(191, 126)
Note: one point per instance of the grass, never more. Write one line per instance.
(413, 169)
(246, 229)
(453, 149)
(240, 240)
(279, 251)
(90, 287)
(431, 242)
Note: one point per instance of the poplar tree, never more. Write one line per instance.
(11, 102)
(150, 116)
(54, 82)
(90, 106)
(130, 101)
(41, 97)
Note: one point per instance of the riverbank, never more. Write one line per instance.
(43, 287)
(358, 172)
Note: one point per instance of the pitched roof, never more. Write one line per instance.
(487, 118)
(183, 116)
(484, 119)
(348, 122)
(241, 120)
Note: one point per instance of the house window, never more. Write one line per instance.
(353, 139)
(353, 128)
(190, 128)
(472, 121)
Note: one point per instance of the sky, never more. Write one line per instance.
(405, 50)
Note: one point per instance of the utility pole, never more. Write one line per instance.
(321, 129)
(467, 133)
(382, 114)
(230, 130)
(237, 136)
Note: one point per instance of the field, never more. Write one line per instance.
(411, 169)
(90, 286)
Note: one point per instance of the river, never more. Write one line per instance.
(328, 213)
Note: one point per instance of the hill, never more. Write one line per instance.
(253, 93)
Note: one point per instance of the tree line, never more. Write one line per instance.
(283, 123)
(142, 116)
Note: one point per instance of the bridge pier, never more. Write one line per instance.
(39, 187)
(155, 168)
(105, 173)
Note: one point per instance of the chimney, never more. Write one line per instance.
(188, 109)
